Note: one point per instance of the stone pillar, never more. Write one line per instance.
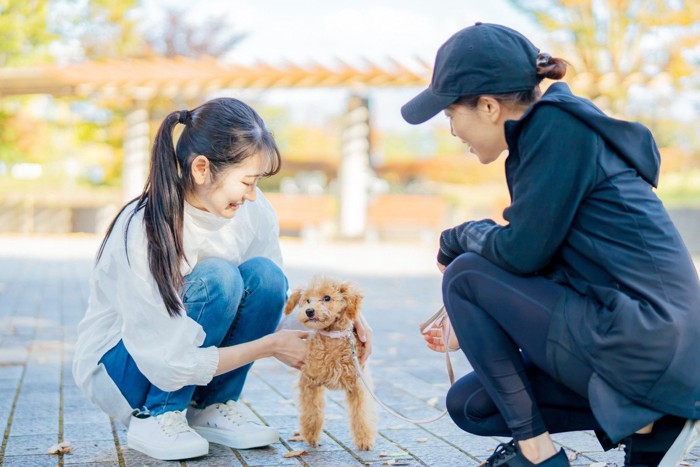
(354, 169)
(136, 151)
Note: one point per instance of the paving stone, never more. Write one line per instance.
(327, 458)
(66, 462)
(31, 461)
(269, 455)
(32, 426)
(43, 300)
(95, 451)
(87, 431)
(134, 458)
(27, 445)
(443, 456)
(210, 461)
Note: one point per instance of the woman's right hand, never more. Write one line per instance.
(433, 336)
(289, 346)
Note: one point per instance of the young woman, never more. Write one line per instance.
(581, 312)
(188, 288)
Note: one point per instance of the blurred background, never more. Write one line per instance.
(84, 85)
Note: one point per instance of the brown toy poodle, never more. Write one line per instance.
(330, 307)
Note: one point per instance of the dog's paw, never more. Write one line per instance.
(311, 438)
(364, 444)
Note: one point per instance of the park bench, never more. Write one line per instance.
(406, 216)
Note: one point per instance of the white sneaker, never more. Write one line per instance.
(686, 439)
(229, 425)
(165, 437)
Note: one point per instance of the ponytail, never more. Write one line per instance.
(163, 203)
(550, 67)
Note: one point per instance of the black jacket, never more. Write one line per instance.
(583, 212)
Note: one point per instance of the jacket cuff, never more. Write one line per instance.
(444, 259)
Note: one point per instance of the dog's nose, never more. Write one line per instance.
(309, 312)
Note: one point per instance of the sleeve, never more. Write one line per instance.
(166, 349)
(555, 170)
(265, 241)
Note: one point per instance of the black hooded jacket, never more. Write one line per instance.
(583, 212)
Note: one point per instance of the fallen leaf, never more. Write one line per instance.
(61, 448)
(433, 402)
(395, 454)
(573, 456)
(598, 464)
(422, 440)
(296, 437)
(295, 453)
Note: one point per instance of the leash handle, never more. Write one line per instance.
(437, 319)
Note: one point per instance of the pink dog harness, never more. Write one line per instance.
(335, 334)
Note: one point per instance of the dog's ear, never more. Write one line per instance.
(292, 301)
(353, 298)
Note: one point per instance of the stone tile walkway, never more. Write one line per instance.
(43, 292)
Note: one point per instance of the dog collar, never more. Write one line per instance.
(334, 334)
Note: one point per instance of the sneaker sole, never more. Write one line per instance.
(686, 439)
(218, 436)
(166, 454)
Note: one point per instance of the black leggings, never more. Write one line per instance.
(501, 321)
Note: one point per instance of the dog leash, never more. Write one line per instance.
(436, 320)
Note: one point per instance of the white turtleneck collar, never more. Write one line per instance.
(204, 219)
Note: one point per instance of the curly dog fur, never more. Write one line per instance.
(330, 305)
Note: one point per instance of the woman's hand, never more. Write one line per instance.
(289, 346)
(433, 336)
(441, 267)
(364, 333)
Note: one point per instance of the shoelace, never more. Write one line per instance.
(502, 452)
(173, 422)
(231, 411)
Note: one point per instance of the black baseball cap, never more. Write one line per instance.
(480, 59)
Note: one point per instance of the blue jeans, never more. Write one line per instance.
(233, 304)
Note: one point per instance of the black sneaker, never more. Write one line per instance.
(503, 453)
(560, 459)
(647, 450)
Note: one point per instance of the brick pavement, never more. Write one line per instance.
(43, 292)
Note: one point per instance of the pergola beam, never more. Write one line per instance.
(162, 75)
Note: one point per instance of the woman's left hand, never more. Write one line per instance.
(364, 333)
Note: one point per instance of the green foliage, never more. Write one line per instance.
(24, 36)
(616, 44)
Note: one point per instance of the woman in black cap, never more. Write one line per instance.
(582, 311)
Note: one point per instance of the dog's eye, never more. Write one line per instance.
(326, 298)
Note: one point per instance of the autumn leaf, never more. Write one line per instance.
(61, 448)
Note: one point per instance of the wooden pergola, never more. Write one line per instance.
(140, 80)
(171, 77)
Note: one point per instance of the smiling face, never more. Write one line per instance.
(480, 127)
(224, 194)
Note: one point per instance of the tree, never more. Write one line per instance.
(24, 38)
(617, 44)
(95, 29)
(214, 37)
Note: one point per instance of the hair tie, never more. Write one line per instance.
(544, 60)
(184, 117)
